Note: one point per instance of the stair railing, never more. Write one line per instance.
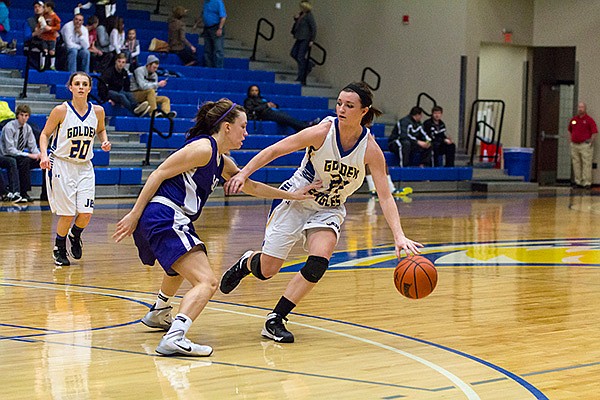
(153, 129)
(259, 33)
(363, 76)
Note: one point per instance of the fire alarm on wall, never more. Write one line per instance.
(405, 19)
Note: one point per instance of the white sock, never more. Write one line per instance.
(370, 183)
(391, 184)
(162, 300)
(52, 60)
(181, 322)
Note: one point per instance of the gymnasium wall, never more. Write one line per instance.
(575, 23)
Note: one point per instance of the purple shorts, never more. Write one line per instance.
(164, 234)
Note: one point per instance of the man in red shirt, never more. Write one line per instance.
(583, 132)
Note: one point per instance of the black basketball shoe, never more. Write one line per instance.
(76, 245)
(60, 256)
(275, 329)
(234, 275)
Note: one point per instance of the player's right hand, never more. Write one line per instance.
(44, 162)
(125, 227)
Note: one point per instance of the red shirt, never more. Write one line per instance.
(582, 128)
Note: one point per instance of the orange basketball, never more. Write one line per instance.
(415, 277)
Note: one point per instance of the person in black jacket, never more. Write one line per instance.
(409, 141)
(117, 81)
(259, 108)
(442, 145)
(304, 31)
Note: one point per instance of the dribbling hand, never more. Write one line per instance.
(408, 246)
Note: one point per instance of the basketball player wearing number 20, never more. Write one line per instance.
(69, 136)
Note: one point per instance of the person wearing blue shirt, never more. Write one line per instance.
(4, 21)
(213, 15)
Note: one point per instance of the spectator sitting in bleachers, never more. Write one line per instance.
(409, 142)
(259, 108)
(18, 142)
(117, 80)
(178, 43)
(50, 26)
(117, 36)
(77, 40)
(10, 192)
(132, 49)
(144, 85)
(103, 44)
(435, 128)
(96, 55)
(104, 9)
(32, 28)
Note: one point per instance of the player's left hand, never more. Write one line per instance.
(106, 146)
(408, 246)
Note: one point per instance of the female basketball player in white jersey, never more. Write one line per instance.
(337, 151)
(161, 220)
(70, 129)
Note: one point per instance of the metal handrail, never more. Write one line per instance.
(23, 93)
(478, 124)
(157, 9)
(323, 51)
(153, 129)
(259, 33)
(364, 72)
(423, 94)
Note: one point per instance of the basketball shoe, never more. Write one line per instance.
(234, 275)
(60, 256)
(158, 318)
(76, 245)
(276, 330)
(176, 344)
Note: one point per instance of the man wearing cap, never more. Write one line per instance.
(144, 85)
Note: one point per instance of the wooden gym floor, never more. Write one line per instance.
(514, 316)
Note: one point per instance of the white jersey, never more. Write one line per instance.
(342, 172)
(73, 139)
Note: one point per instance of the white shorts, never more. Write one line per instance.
(289, 221)
(71, 187)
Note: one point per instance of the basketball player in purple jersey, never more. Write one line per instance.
(161, 220)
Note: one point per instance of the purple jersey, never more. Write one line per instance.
(190, 190)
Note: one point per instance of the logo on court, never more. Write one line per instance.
(545, 252)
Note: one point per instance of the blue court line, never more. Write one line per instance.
(30, 327)
(526, 385)
(226, 364)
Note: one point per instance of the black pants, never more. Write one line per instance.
(299, 53)
(13, 174)
(283, 118)
(401, 148)
(24, 165)
(444, 149)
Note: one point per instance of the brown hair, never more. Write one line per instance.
(23, 108)
(120, 56)
(74, 74)
(366, 100)
(179, 12)
(211, 116)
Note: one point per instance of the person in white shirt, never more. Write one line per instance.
(77, 40)
(117, 36)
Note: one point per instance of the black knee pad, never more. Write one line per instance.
(315, 268)
(255, 267)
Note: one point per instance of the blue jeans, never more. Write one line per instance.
(124, 99)
(78, 58)
(213, 47)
